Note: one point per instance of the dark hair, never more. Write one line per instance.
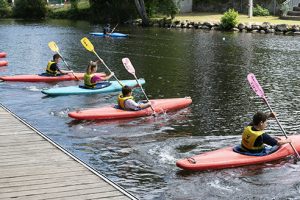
(56, 56)
(90, 67)
(126, 90)
(259, 117)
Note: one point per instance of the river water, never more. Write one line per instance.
(140, 154)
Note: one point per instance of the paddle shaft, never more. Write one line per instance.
(67, 65)
(114, 28)
(108, 68)
(143, 91)
(283, 131)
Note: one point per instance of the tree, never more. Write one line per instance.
(5, 10)
(33, 9)
(140, 5)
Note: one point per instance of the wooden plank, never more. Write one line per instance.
(34, 168)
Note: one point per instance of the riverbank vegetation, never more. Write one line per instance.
(149, 11)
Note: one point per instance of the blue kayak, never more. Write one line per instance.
(102, 87)
(110, 35)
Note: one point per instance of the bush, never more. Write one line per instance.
(33, 9)
(5, 10)
(229, 19)
(284, 9)
(260, 11)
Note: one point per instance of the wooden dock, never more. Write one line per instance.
(34, 167)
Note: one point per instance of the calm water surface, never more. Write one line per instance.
(140, 154)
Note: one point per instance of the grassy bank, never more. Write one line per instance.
(216, 17)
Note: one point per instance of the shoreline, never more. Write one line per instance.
(255, 26)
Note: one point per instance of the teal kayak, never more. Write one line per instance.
(102, 87)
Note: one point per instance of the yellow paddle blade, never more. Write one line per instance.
(87, 44)
(52, 45)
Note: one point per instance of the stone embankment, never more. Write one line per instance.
(264, 28)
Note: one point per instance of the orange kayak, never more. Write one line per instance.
(3, 63)
(45, 77)
(2, 54)
(227, 158)
(110, 112)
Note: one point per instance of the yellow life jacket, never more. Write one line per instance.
(87, 81)
(121, 101)
(249, 137)
(48, 69)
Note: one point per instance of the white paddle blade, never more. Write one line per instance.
(255, 85)
(129, 67)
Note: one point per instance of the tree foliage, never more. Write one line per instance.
(114, 10)
(5, 9)
(32, 9)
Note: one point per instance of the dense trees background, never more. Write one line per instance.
(32, 9)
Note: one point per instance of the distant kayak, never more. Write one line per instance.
(227, 158)
(102, 87)
(110, 35)
(111, 112)
(3, 63)
(44, 77)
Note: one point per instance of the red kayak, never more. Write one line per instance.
(3, 63)
(45, 78)
(110, 112)
(2, 54)
(227, 158)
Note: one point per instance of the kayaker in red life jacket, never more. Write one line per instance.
(52, 67)
(90, 79)
(126, 100)
(254, 137)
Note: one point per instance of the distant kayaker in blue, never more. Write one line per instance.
(52, 66)
(106, 29)
(90, 79)
(126, 100)
(254, 138)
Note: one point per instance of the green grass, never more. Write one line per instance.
(83, 4)
(216, 17)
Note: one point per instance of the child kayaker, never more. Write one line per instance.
(254, 137)
(106, 29)
(52, 66)
(90, 79)
(126, 101)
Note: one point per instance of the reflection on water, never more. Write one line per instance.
(140, 154)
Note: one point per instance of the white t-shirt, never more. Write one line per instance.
(130, 104)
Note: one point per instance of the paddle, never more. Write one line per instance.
(52, 45)
(129, 67)
(114, 28)
(259, 91)
(89, 46)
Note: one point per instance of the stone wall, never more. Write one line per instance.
(262, 28)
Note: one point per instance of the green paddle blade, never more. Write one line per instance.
(52, 45)
(87, 44)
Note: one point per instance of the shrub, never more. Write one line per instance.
(284, 9)
(260, 11)
(229, 19)
(33, 9)
(5, 10)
